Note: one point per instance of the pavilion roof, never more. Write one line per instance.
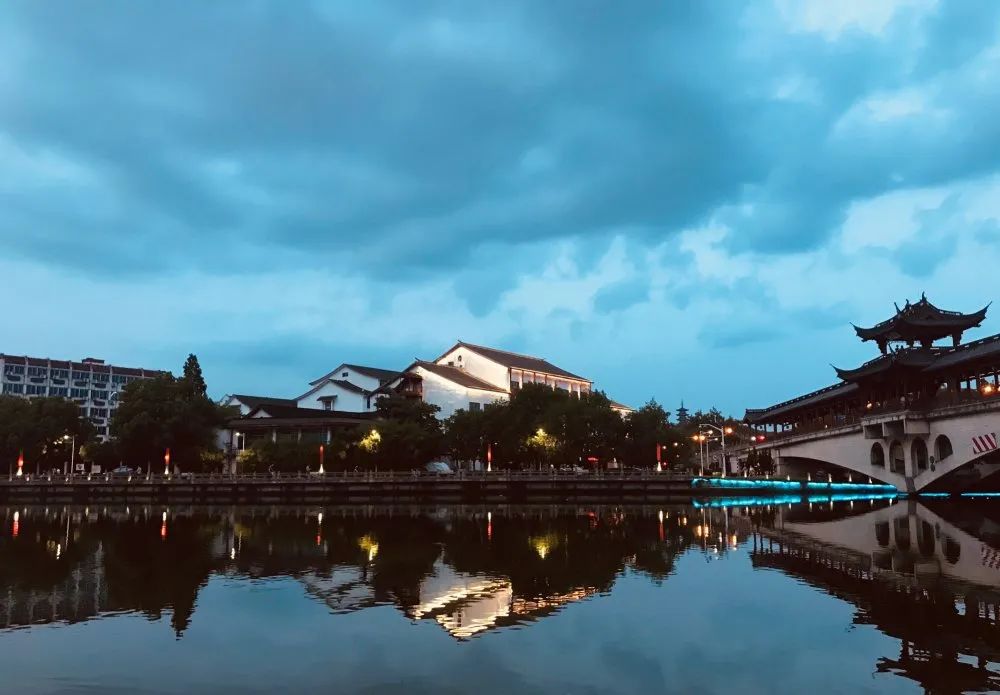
(914, 359)
(921, 321)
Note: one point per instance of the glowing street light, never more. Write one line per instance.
(20, 464)
(166, 463)
(322, 471)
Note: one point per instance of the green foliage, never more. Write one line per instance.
(192, 378)
(37, 428)
(103, 454)
(165, 412)
(407, 435)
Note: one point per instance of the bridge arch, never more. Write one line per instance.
(897, 457)
(878, 455)
(918, 454)
(942, 448)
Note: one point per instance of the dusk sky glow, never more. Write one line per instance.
(679, 200)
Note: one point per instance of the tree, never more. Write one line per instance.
(42, 429)
(165, 412)
(407, 435)
(192, 377)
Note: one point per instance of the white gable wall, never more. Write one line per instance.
(449, 396)
(347, 401)
(479, 366)
(368, 383)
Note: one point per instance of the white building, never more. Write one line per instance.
(470, 376)
(90, 383)
(465, 377)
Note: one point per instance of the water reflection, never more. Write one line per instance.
(926, 575)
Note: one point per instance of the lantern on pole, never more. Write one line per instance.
(659, 458)
(322, 470)
(166, 462)
(20, 464)
(489, 457)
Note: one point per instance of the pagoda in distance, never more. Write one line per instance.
(922, 323)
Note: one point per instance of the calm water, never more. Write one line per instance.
(863, 596)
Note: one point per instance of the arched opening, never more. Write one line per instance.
(882, 533)
(897, 459)
(918, 452)
(903, 533)
(925, 539)
(942, 448)
(878, 455)
(952, 550)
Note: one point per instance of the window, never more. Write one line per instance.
(32, 390)
(103, 384)
(14, 369)
(81, 376)
(99, 395)
(13, 388)
(38, 371)
(78, 393)
(451, 363)
(59, 391)
(119, 379)
(344, 374)
(475, 407)
(459, 358)
(98, 412)
(60, 374)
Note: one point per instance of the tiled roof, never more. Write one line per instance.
(256, 401)
(458, 376)
(383, 375)
(348, 386)
(826, 394)
(284, 412)
(518, 361)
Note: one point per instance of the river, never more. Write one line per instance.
(748, 596)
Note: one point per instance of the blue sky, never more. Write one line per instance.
(678, 199)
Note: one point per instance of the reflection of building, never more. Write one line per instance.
(947, 626)
(93, 385)
(81, 596)
(467, 604)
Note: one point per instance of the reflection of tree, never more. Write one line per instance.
(147, 572)
(137, 562)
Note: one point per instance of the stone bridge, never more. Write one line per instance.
(908, 449)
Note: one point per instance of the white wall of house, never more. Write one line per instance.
(344, 399)
(479, 366)
(449, 396)
(368, 383)
(233, 401)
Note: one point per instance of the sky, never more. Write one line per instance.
(678, 200)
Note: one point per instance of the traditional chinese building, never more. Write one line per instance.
(911, 373)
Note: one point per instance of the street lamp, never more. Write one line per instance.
(723, 431)
(72, 453)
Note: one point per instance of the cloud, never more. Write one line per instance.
(280, 185)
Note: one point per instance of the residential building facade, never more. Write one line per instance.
(90, 383)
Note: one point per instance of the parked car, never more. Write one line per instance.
(122, 470)
(439, 468)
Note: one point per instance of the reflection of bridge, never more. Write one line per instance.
(914, 576)
(910, 417)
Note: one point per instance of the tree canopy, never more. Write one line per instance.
(41, 428)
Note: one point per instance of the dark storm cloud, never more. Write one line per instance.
(396, 139)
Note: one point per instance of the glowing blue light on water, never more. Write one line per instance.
(934, 494)
(721, 502)
(981, 494)
(746, 484)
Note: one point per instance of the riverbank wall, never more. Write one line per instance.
(374, 488)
